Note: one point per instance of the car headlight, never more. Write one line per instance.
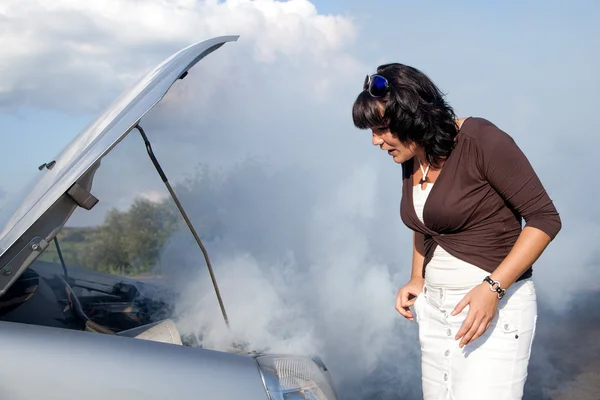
(295, 378)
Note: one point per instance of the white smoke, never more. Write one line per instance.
(300, 271)
(299, 214)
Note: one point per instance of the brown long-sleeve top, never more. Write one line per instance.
(483, 192)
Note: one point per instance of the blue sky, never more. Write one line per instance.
(301, 189)
(32, 137)
(545, 35)
(530, 67)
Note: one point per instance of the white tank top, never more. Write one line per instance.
(445, 270)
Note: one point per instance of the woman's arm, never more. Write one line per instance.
(526, 250)
(407, 294)
(509, 172)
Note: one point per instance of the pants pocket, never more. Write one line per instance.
(517, 316)
(416, 307)
(508, 321)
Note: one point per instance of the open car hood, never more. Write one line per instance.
(65, 183)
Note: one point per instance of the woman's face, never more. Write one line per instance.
(400, 152)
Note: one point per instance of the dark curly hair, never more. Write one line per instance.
(415, 112)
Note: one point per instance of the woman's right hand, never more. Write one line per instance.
(407, 295)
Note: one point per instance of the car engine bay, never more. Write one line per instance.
(88, 301)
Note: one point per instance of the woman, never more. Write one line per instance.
(466, 187)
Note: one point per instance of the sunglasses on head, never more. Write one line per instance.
(376, 85)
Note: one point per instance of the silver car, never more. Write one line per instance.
(72, 333)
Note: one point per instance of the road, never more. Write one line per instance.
(565, 359)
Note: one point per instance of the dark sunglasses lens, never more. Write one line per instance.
(378, 86)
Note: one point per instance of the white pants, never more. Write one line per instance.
(494, 366)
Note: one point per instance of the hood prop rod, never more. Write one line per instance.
(185, 217)
(62, 260)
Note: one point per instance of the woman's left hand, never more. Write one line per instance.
(483, 304)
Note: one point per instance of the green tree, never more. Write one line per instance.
(130, 242)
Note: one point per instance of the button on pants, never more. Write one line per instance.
(493, 366)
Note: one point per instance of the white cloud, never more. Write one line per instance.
(312, 229)
(83, 53)
(153, 196)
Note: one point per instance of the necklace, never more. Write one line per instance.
(424, 171)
